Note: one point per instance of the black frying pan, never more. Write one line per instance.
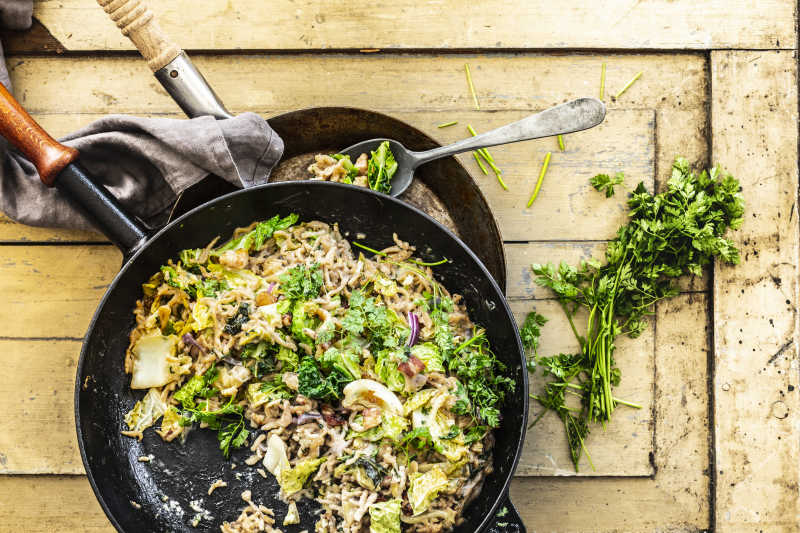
(156, 496)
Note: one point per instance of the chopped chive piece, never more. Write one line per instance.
(478, 160)
(603, 80)
(446, 124)
(638, 75)
(472, 87)
(484, 151)
(500, 179)
(541, 178)
(561, 143)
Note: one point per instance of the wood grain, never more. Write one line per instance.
(410, 24)
(52, 291)
(39, 402)
(756, 405)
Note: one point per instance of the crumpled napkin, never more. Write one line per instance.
(145, 162)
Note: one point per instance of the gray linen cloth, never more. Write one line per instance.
(145, 163)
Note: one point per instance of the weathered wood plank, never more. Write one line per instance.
(38, 402)
(510, 81)
(624, 448)
(677, 498)
(52, 291)
(405, 82)
(756, 406)
(306, 25)
(42, 504)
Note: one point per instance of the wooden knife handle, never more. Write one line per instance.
(47, 155)
(137, 23)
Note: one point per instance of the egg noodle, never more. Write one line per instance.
(355, 381)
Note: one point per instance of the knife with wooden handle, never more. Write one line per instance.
(171, 65)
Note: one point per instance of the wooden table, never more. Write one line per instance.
(715, 446)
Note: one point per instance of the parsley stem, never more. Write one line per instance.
(540, 180)
(629, 404)
(471, 87)
(480, 164)
(561, 143)
(603, 80)
(636, 77)
(447, 124)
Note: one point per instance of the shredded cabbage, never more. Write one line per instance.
(293, 479)
(154, 364)
(429, 354)
(423, 488)
(146, 411)
(384, 517)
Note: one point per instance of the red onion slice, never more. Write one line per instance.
(413, 323)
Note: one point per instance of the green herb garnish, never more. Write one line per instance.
(676, 232)
(627, 85)
(540, 180)
(471, 87)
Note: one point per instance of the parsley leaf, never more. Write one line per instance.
(604, 182)
(381, 168)
(302, 282)
(676, 232)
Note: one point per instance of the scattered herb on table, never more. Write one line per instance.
(561, 143)
(542, 172)
(471, 87)
(603, 80)
(676, 232)
(627, 85)
(447, 124)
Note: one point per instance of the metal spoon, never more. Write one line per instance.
(577, 115)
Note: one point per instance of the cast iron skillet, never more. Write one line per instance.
(159, 495)
(442, 189)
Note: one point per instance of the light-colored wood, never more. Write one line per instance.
(427, 82)
(136, 21)
(44, 504)
(756, 407)
(624, 448)
(497, 24)
(37, 433)
(676, 498)
(435, 95)
(52, 291)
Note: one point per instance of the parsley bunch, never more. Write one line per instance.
(676, 232)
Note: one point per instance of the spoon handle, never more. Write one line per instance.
(576, 115)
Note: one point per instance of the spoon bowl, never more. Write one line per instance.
(576, 115)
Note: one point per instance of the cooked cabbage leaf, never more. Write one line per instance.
(293, 479)
(423, 489)
(429, 354)
(381, 168)
(146, 411)
(384, 517)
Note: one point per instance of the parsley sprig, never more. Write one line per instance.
(676, 232)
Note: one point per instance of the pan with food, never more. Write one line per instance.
(339, 340)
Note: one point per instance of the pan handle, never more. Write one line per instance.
(171, 66)
(507, 520)
(57, 167)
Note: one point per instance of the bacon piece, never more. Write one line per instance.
(412, 366)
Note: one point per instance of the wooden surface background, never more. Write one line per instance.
(715, 446)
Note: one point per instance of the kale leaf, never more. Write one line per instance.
(381, 168)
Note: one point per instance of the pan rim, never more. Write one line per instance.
(501, 495)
